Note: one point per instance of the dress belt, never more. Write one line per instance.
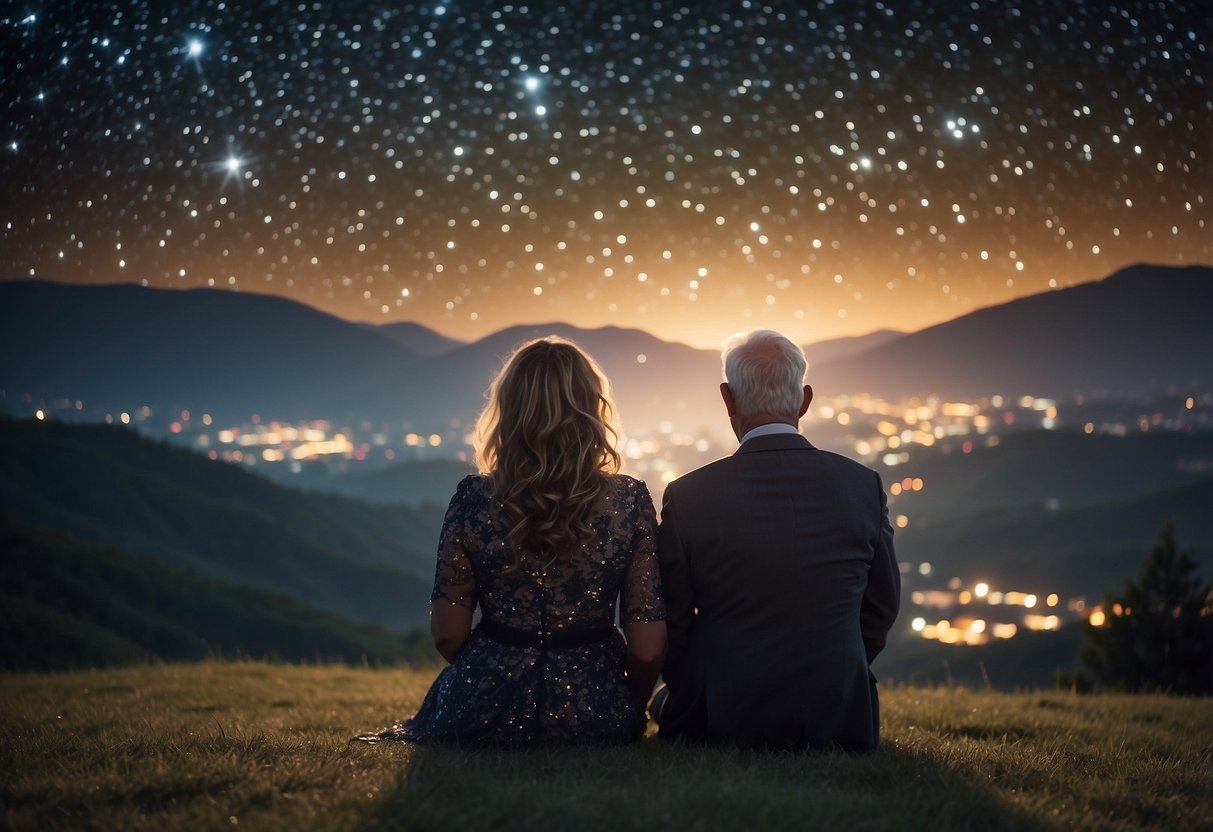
(557, 640)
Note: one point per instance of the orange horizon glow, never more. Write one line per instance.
(701, 323)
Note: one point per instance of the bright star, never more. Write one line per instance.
(195, 48)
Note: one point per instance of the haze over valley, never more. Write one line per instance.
(1031, 450)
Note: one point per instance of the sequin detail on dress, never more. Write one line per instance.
(499, 694)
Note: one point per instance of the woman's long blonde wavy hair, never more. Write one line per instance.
(547, 438)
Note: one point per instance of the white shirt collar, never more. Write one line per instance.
(769, 429)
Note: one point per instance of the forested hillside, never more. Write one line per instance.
(72, 604)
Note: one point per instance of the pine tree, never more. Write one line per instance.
(1158, 633)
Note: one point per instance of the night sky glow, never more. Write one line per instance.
(690, 169)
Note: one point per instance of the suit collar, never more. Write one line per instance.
(776, 442)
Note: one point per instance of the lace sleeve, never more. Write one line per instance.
(453, 578)
(642, 599)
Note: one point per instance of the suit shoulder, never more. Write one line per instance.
(844, 462)
(848, 469)
(845, 466)
(704, 473)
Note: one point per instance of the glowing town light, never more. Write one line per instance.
(981, 590)
(195, 48)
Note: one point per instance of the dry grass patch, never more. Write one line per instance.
(211, 745)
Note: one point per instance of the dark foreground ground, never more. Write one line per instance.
(223, 745)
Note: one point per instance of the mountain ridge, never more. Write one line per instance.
(1141, 330)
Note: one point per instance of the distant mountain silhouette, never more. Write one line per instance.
(417, 339)
(111, 487)
(652, 380)
(1141, 330)
(228, 353)
(834, 348)
(236, 354)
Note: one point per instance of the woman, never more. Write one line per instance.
(544, 541)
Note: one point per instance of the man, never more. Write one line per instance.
(779, 575)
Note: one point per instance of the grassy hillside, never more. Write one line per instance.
(252, 745)
(1055, 511)
(108, 486)
(1078, 551)
(1031, 468)
(71, 604)
(1030, 661)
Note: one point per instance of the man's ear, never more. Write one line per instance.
(729, 404)
(808, 400)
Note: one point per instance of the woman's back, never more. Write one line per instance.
(545, 664)
(575, 592)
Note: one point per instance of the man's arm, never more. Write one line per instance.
(882, 598)
(676, 584)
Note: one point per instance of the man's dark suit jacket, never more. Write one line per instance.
(780, 586)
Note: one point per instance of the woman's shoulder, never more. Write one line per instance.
(473, 486)
(629, 488)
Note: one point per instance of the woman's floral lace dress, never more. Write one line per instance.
(507, 694)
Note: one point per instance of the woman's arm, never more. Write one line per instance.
(450, 625)
(641, 607)
(646, 651)
(454, 597)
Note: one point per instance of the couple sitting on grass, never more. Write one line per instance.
(760, 600)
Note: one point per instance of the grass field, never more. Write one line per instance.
(252, 745)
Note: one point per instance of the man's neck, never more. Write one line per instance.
(769, 429)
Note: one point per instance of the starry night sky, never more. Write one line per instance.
(687, 169)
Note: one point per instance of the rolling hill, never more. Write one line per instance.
(110, 487)
(1076, 552)
(1055, 510)
(419, 483)
(1052, 468)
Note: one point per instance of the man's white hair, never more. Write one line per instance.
(765, 372)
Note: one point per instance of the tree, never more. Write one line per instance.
(1158, 634)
